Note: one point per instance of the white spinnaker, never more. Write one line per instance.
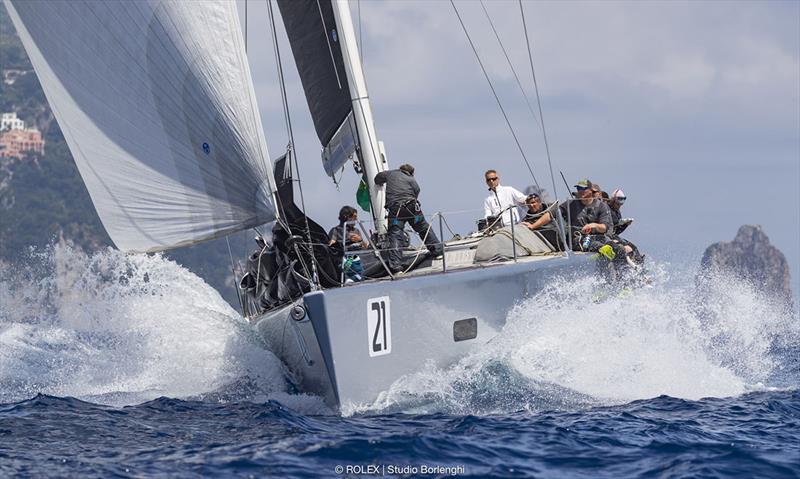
(157, 106)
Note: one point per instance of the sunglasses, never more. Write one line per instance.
(492, 179)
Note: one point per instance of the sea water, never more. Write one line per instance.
(130, 365)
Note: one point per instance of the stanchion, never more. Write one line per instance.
(513, 237)
(441, 239)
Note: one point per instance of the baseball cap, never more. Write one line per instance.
(618, 195)
(583, 184)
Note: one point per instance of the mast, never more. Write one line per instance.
(370, 151)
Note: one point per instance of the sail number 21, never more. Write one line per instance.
(379, 326)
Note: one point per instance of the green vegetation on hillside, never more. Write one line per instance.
(43, 198)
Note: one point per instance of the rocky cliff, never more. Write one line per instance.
(752, 258)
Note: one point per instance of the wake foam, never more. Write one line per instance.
(564, 349)
(123, 329)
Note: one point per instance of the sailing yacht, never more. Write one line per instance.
(350, 343)
(157, 105)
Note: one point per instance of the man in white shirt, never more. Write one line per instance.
(503, 199)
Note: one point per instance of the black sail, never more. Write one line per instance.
(312, 32)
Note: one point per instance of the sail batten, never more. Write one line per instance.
(157, 106)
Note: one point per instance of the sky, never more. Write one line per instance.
(692, 108)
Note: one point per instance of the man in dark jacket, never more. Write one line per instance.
(615, 203)
(591, 222)
(401, 202)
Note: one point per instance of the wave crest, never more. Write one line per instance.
(119, 328)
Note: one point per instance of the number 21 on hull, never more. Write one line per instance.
(379, 326)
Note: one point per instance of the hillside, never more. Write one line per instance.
(42, 198)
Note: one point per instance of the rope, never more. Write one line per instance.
(290, 133)
(422, 246)
(235, 277)
(444, 220)
(499, 216)
(494, 92)
(258, 267)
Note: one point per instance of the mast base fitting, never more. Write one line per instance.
(298, 312)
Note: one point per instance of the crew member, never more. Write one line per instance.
(402, 191)
(347, 226)
(502, 200)
(537, 218)
(351, 264)
(615, 202)
(597, 192)
(590, 220)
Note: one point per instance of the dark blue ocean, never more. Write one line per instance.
(754, 435)
(130, 366)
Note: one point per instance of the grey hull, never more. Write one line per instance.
(354, 342)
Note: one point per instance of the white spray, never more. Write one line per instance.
(123, 329)
(564, 349)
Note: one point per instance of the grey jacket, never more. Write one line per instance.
(400, 187)
(597, 212)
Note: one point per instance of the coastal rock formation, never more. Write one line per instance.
(752, 258)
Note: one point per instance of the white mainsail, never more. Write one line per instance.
(157, 106)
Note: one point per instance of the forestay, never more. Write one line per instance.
(158, 109)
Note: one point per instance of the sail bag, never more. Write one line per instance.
(156, 103)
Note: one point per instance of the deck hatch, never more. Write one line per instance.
(465, 329)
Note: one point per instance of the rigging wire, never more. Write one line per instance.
(538, 99)
(245, 26)
(360, 41)
(235, 276)
(539, 103)
(289, 131)
(494, 92)
(511, 65)
(279, 64)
